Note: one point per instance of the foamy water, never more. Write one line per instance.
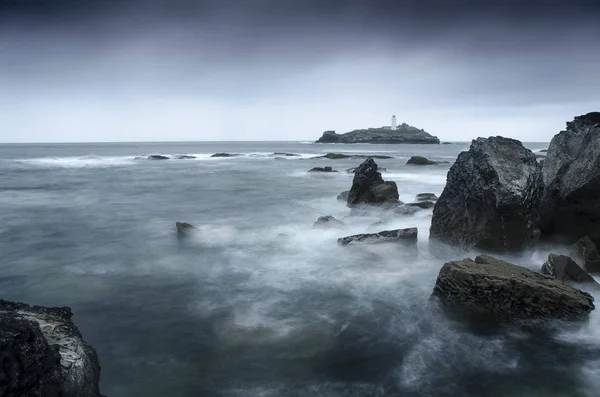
(256, 302)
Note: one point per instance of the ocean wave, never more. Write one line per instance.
(76, 162)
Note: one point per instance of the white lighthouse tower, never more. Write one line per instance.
(393, 123)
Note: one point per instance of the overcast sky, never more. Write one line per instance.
(112, 70)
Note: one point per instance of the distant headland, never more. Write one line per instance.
(403, 133)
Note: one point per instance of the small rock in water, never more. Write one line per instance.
(420, 160)
(285, 154)
(184, 157)
(328, 221)
(184, 228)
(587, 252)
(426, 197)
(422, 204)
(343, 196)
(497, 290)
(565, 269)
(225, 155)
(322, 169)
(403, 236)
(157, 157)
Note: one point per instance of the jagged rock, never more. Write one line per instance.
(586, 251)
(368, 187)
(285, 154)
(565, 269)
(571, 171)
(404, 236)
(338, 156)
(328, 221)
(426, 197)
(343, 196)
(419, 160)
(491, 198)
(491, 288)
(157, 157)
(225, 155)
(403, 134)
(422, 204)
(184, 228)
(43, 354)
(322, 169)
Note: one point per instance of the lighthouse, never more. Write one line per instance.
(393, 123)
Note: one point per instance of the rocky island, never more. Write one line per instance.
(404, 133)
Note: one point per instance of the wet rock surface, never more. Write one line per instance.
(404, 236)
(493, 289)
(491, 199)
(368, 187)
(563, 268)
(419, 160)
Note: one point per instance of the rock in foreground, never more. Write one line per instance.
(404, 236)
(491, 198)
(569, 206)
(403, 134)
(497, 290)
(43, 354)
(368, 187)
(565, 269)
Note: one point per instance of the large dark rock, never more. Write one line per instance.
(43, 354)
(586, 251)
(491, 198)
(571, 171)
(328, 222)
(404, 133)
(368, 187)
(565, 269)
(420, 160)
(498, 290)
(406, 237)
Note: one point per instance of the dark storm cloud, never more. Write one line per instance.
(363, 58)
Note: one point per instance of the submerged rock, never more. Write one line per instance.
(368, 187)
(491, 198)
(426, 197)
(328, 221)
(494, 289)
(586, 251)
(184, 157)
(571, 172)
(285, 154)
(337, 156)
(419, 160)
(225, 155)
(322, 169)
(404, 236)
(158, 157)
(565, 269)
(343, 196)
(44, 354)
(422, 204)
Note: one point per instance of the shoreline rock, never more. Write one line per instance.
(403, 134)
(493, 289)
(571, 173)
(44, 354)
(406, 237)
(491, 199)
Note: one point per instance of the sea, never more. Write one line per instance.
(256, 301)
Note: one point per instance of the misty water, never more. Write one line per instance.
(257, 302)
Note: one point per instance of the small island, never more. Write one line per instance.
(403, 133)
